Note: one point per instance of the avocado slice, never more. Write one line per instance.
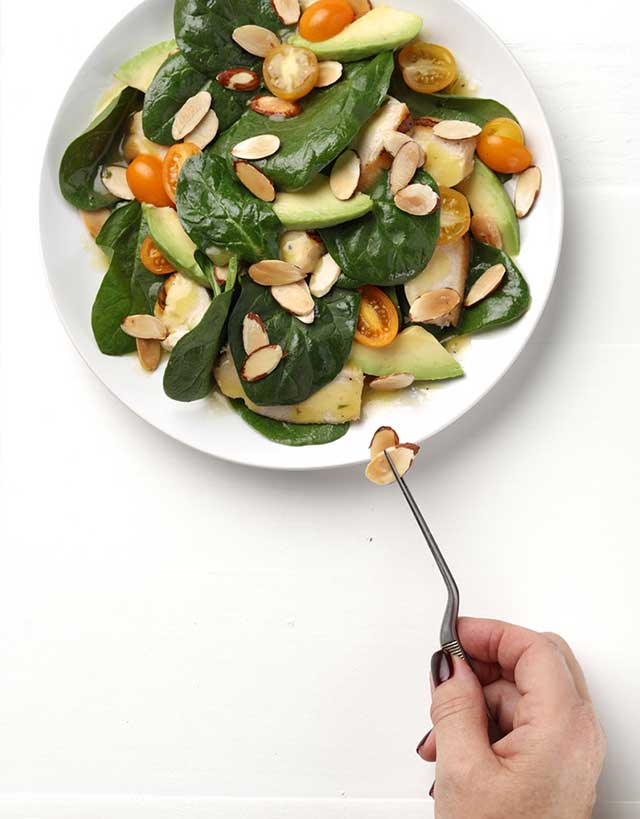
(381, 29)
(413, 351)
(316, 207)
(173, 242)
(488, 197)
(139, 71)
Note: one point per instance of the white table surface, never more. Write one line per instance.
(183, 638)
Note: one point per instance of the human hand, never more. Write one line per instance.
(548, 764)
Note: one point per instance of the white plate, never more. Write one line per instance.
(75, 272)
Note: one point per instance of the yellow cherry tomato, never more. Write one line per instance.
(427, 68)
(455, 216)
(153, 259)
(290, 72)
(144, 176)
(504, 127)
(378, 322)
(503, 155)
(172, 164)
(325, 19)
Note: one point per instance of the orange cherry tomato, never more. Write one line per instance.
(455, 216)
(153, 260)
(172, 164)
(378, 322)
(290, 72)
(504, 127)
(427, 68)
(144, 176)
(325, 19)
(503, 155)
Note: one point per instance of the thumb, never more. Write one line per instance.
(458, 711)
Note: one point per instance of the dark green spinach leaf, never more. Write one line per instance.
(282, 432)
(83, 159)
(387, 246)
(327, 125)
(314, 354)
(215, 209)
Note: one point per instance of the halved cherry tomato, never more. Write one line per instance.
(290, 72)
(427, 68)
(153, 260)
(144, 176)
(504, 155)
(172, 164)
(455, 216)
(325, 19)
(504, 127)
(378, 322)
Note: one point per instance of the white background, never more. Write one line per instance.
(184, 638)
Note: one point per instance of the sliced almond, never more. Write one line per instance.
(485, 229)
(287, 10)
(330, 72)
(261, 363)
(254, 333)
(275, 107)
(417, 200)
(383, 438)
(149, 353)
(144, 327)
(455, 129)
(434, 305)
(204, 133)
(273, 272)
(324, 276)
(406, 126)
(485, 285)
(220, 274)
(345, 175)
(255, 181)
(309, 318)
(527, 190)
(295, 298)
(405, 165)
(114, 178)
(239, 79)
(394, 140)
(360, 7)
(390, 383)
(256, 40)
(257, 147)
(379, 471)
(191, 115)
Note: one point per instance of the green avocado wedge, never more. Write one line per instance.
(139, 71)
(316, 207)
(282, 432)
(487, 197)
(174, 243)
(382, 29)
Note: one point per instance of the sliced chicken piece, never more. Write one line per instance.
(448, 161)
(181, 305)
(369, 144)
(136, 143)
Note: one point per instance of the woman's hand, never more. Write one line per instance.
(549, 761)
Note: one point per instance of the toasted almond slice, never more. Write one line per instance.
(191, 115)
(434, 305)
(273, 272)
(455, 129)
(309, 318)
(239, 79)
(296, 298)
(287, 10)
(257, 147)
(261, 363)
(149, 353)
(345, 175)
(204, 133)
(256, 40)
(485, 285)
(275, 107)
(486, 230)
(394, 140)
(144, 326)
(255, 181)
(360, 7)
(324, 276)
(379, 471)
(330, 72)
(390, 383)
(383, 438)
(220, 274)
(527, 190)
(405, 165)
(114, 178)
(417, 200)
(254, 333)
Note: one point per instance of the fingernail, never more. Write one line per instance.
(431, 790)
(423, 740)
(441, 667)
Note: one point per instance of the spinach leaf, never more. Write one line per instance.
(83, 159)
(314, 354)
(215, 209)
(204, 28)
(281, 432)
(175, 83)
(387, 246)
(327, 125)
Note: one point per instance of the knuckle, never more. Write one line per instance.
(556, 641)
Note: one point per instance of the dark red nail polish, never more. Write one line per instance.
(441, 667)
(423, 740)
(431, 790)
